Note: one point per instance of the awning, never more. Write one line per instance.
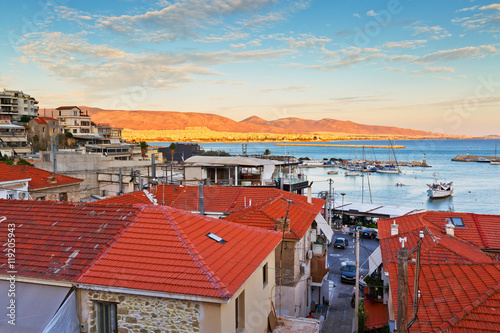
(13, 139)
(374, 260)
(324, 227)
(35, 305)
(66, 319)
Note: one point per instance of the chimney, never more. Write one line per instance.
(309, 195)
(394, 228)
(283, 226)
(450, 229)
(52, 178)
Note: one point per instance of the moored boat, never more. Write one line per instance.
(439, 189)
(332, 172)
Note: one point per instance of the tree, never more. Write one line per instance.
(267, 152)
(69, 135)
(25, 118)
(144, 148)
(172, 150)
(24, 162)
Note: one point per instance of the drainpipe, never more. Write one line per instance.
(120, 181)
(202, 200)
(53, 153)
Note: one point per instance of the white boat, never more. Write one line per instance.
(332, 172)
(483, 159)
(495, 162)
(389, 169)
(351, 173)
(439, 189)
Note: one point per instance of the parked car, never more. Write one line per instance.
(341, 243)
(348, 273)
(369, 233)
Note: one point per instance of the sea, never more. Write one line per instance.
(476, 185)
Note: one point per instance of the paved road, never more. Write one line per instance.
(340, 315)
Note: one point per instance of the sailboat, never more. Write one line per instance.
(439, 189)
(390, 168)
(495, 161)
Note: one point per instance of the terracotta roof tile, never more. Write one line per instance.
(153, 248)
(9, 173)
(40, 178)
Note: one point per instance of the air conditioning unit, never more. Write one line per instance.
(303, 268)
(309, 254)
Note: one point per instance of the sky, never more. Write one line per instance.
(428, 65)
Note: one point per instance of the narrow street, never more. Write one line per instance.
(340, 314)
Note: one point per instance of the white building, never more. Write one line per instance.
(13, 184)
(74, 120)
(13, 140)
(17, 104)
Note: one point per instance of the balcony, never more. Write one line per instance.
(319, 267)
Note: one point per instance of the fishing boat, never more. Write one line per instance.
(495, 162)
(332, 172)
(439, 189)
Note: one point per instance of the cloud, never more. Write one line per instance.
(403, 57)
(102, 68)
(303, 41)
(436, 32)
(288, 88)
(356, 15)
(434, 70)
(405, 44)
(492, 6)
(371, 13)
(392, 69)
(348, 57)
(474, 52)
(467, 9)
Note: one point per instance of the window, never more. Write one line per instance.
(106, 317)
(40, 198)
(10, 196)
(239, 313)
(74, 130)
(63, 196)
(457, 222)
(265, 274)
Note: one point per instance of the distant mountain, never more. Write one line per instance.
(171, 120)
(333, 126)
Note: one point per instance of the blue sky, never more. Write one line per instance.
(430, 65)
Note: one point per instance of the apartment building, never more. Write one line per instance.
(16, 104)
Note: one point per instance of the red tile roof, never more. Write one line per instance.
(43, 120)
(377, 313)
(265, 215)
(219, 199)
(459, 283)
(8, 173)
(40, 178)
(256, 207)
(154, 248)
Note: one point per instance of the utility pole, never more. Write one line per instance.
(356, 304)
(362, 187)
(402, 323)
(328, 203)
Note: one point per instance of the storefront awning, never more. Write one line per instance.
(325, 228)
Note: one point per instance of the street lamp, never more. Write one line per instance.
(342, 194)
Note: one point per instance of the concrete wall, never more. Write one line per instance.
(87, 166)
(193, 175)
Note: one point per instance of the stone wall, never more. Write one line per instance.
(52, 194)
(144, 314)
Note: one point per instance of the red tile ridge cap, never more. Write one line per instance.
(468, 309)
(112, 242)
(177, 197)
(233, 202)
(216, 281)
(480, 232)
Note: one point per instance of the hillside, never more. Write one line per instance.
(171, 120)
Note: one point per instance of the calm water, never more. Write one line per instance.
(476, 185)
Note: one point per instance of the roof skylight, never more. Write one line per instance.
(216, 238)
(457, 222)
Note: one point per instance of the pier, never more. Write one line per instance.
(337, 145)
(473, 158)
